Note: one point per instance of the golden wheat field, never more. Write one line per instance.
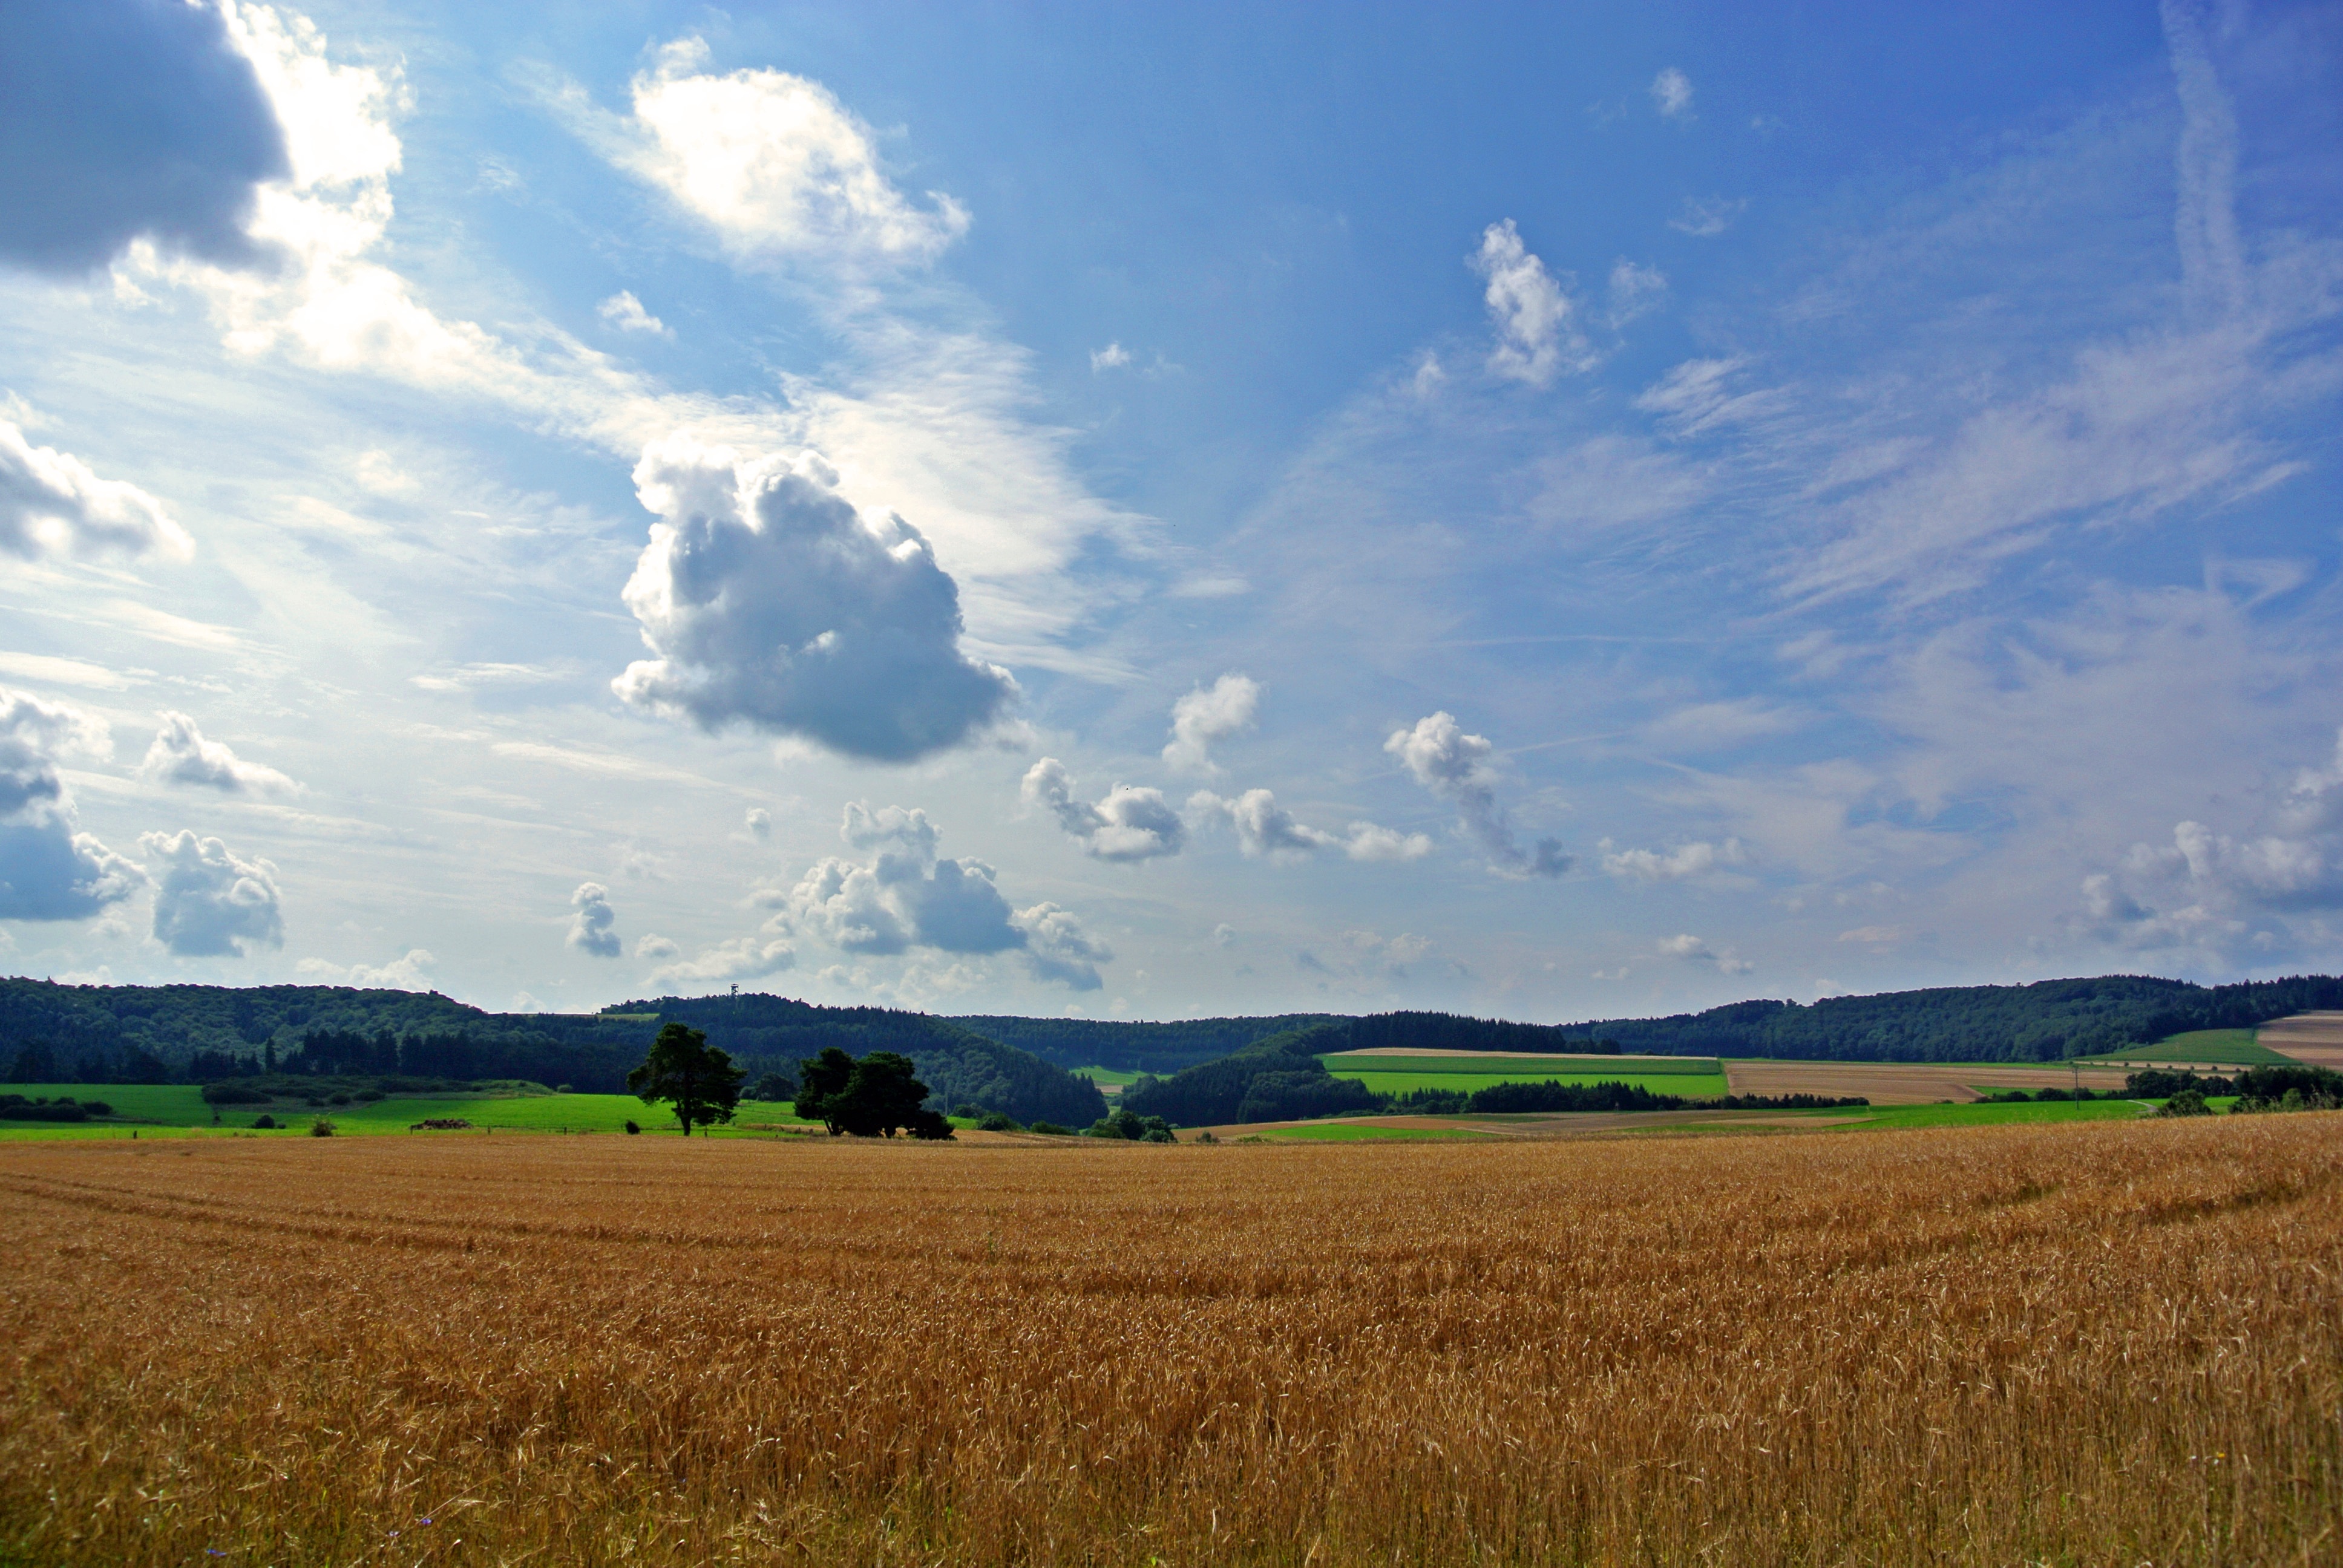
(2099, 1343)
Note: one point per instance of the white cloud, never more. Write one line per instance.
(209, 902)
(1057, 949)
(623, 311)
(1693, 950)
(1205, 717)
(1671, 94)
(1113, 357)
(1684, 861)
(760, 823)
(180, 754)
(1532, 313)
(51, 503)
(1224, 934)
(651, 945)
(1128, 824)
(1706, 217)
(593, 926)
(1634, 290)
(742, 958)
(1459, 768)
(1266, 829)
(774, 164)
(411, 971)
(769, 600)
(908, 897)
(48, 871)
(2220, 895)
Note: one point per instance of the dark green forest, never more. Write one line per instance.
(133, 1034)
(52, 1034)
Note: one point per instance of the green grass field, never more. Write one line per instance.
(1106, 1075)
(1516, 1069)
(1976, 1115)
(1689, 1085)
(2224, 1047)
(154, 1109)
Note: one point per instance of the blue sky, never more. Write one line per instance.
(1151, 512)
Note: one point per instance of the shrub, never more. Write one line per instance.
(321, 1127)
(439, 1124)
(967, 1110)
(995, 1122)
(368, 1096)
(264, 1121)
(1051, 1127)
(1206, 1137)
(632, 1130)
(563, 1089)
(2187, 1103)
(338, 1099)
(232, 1094)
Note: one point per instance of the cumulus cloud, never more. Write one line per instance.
(1671, 94)
(53, 504)
(2217, 893)
(593, 924)
(651, 945)
(1693, 951)
(907, 896)
(623, 311)
(120, 118)
(180, 754)
(1671, 865)
(1057, 949)
(1266, 829)
(48, 870)
(742, 958)
(1460, 768)
(769, 600)
(1537, 337)
(1128, 824)
(760, 823)
(210, 903)
(1113, 357)
(774, 164)
(1207, 715)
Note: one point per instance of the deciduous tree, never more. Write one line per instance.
(697, 1081)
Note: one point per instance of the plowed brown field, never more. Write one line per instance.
(2090, 1343)
(2315, 1038)
(1899, 1083)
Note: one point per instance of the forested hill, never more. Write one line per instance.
(2044, 1021)
(139, 1034)
(1166, 1048)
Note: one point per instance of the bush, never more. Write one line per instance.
(1051, 1127)
(1554, 1095)
(1206, 1137)
(16, 1107)
(995, 1121)
(563, 1089)
(368, 1096)
(2187, 1103)
(632, 1130)
(321, 1127)
(967, 1110)
(338, 1099)
(264, 1122)
(232, 1094)
(1135, 1129)
(439, 1124)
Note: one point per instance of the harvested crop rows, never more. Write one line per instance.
(2104, 1342)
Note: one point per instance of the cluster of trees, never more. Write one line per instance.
(35, 1061)
(2258, 1089)
(1279, 1078)
(878, 1096)
(1165, 1049)
(64, 1107)
(2046, 1021)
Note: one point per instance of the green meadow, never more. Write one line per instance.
(2225, 1047)
(1689, 1085)
(1527, 1067)
(154, 1109)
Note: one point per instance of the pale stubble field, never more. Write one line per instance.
(2086, 1343)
